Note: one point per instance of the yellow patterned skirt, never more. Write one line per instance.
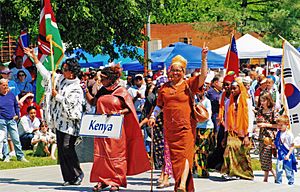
(237, 160)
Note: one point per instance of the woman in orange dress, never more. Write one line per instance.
(175, 102)
(116, 158)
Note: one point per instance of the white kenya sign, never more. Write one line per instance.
(101, 125)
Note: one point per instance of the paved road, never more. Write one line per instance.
(48, 178)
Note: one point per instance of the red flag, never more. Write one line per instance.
(231, 63)
(23, 41)
(43, 43)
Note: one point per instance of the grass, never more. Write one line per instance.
(33, 162)
(256, 164)
(44, 161)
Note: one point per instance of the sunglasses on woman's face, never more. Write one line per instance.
(21, 75)
(65, 69)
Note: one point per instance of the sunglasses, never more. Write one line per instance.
(65, 69)
(21, 75)
(176, 70)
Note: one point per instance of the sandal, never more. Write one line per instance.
(159, 181)
(181, 190)
(99, 187)
(163, 185)
(114, 188)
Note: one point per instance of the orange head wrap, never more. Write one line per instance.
(179, 60)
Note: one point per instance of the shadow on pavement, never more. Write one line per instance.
(219, 179)
(7, 180)
(140, 179)
(85, 189)
(32, 183)
(75, 188)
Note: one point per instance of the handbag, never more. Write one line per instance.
(199, 112)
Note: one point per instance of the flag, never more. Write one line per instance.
(291, 81)
(231, 63)
(48, 29)
(23, 41)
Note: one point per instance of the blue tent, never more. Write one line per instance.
(99, 60)
(164, 56)
(277, 58)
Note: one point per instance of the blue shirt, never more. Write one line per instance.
(213, 95)
(8, 106)
(13, 87)
(24, 86)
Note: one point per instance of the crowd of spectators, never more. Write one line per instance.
(221, 141)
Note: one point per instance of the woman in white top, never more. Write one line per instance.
(27, 126)
(204, 138)
(63, 111)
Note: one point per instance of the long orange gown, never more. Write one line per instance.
(116, 158)
(179, 126)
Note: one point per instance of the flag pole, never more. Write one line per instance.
(52, 63)
(152, 159)
(283, 97)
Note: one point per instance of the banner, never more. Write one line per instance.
(48, 31)
(101, 126)
(291, 80)
(23, 41)
(231, 63)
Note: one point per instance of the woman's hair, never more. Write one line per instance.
(113, 73)
(21, 71)
(73, 66)
(2, 80)
(30, 108)
(283, 119)
(43, 123)
(266, 96)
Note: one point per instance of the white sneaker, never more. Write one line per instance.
(23, 159)
(7, 159)
(12, 154)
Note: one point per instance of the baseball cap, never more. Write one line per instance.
(139, 76)
(247, 80)
(5, 71)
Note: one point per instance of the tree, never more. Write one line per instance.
(96, 26)
(269, 18)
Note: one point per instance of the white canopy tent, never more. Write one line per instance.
(250, 47)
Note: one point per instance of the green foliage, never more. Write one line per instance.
(91, 24)
(96, 25)
(33, 162)
(268, 18)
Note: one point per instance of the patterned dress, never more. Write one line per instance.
(266, 139)
(204, 143)
(237, 160)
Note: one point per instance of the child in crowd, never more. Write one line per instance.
(44, 141)
(285, 155)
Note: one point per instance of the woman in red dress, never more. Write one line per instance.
(180, 128)
(116, 158)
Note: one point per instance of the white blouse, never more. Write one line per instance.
(62, 112)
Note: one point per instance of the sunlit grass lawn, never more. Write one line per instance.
(44, 161)
(256, 164)
(33, 162)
